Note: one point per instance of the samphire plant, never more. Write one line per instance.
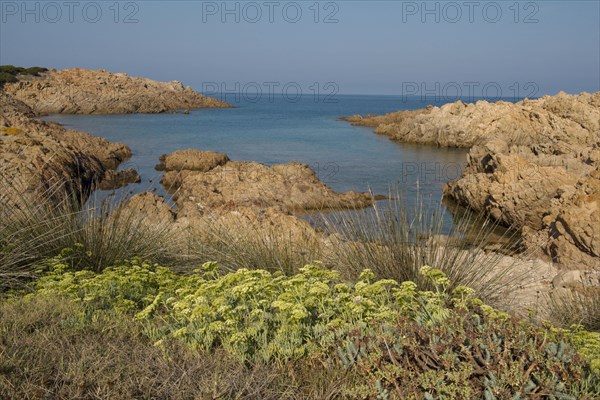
(403, 342)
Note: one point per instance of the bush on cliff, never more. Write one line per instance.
(10, 73)
(381, 339)
(7, 78)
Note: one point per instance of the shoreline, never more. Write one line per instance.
(513, 152)
(258, 203)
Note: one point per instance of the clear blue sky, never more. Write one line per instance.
(373, 48)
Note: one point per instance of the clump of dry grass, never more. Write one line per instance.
(36, 226)
(396, 241)
(271, 247)
(575, 307)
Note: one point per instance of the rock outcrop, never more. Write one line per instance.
(38, 156)
(152, 208)
(214, 195)
(533, 165)
(114, 179)
(179, 164)
(207, 180)
(80, 91)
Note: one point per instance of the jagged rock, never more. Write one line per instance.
(36, 156)
(532, 165)
(80, 91)
(246, 197)
(116, 179)
(181, 163)
(292, 187)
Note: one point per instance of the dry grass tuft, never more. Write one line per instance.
(575, 307)
(34, 227)
(396, 241)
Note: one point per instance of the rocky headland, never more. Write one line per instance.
(80, 91)
(533, 165)
(38, 156)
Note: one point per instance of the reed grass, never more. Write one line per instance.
(395, 241)
(35, 226)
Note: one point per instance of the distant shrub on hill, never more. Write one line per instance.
(9, 73)
(6, 77)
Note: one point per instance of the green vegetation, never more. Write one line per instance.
(372, 321)
(371, 339)
(10, 73)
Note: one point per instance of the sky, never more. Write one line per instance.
(480, 48)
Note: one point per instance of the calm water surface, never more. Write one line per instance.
(279, 131)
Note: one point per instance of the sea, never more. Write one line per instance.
(277, 129)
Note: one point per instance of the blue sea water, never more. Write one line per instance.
(277, 130)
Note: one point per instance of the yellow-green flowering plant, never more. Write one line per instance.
(381, 329)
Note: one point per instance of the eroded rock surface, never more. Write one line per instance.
(80, 91)
(533, 165)
(114, 179)
(215, 195)
(208, 180)
(182, 163)
(36, 156)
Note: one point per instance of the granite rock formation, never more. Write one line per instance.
(37, 156)
(80, 91)
(533, 165)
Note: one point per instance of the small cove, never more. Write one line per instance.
(275, 130)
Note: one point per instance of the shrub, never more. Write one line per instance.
(7, 78)
(402, 341)
(10, 73)
(12, 70)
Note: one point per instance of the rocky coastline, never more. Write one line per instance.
(206, 186)
(38, 155)
(533, 165)
(80, 91)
